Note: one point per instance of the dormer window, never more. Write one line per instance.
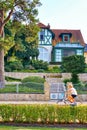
(66, 38)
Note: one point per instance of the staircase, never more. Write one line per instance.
(53, 80)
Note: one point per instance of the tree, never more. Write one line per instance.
(24, 11)
(29, 40)
(26, 45)
(74, 64)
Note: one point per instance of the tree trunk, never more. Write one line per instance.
(2, 77)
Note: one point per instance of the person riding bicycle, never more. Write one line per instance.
(71, 91)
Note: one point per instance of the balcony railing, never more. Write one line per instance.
(71, 45)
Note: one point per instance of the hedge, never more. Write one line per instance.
(43, 113)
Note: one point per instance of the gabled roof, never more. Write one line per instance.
(76, 34)
(41, 25)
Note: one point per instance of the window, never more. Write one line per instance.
(66, 38)
(43, 54)
(58, 55)
(79, 52)
(68, 52)
(42, 35)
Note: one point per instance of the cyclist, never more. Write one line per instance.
(72, 93)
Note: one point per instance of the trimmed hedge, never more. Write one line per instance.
(35, 79)
(43, 113)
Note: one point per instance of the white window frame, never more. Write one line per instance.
(58, 55)
(43, 54)
(79, 52)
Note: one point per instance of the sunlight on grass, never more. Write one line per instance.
(37, 128)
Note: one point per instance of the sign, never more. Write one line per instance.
(57, 91)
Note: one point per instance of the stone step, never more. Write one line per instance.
(54, 80)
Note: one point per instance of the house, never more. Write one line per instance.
(45, 42)
(85, 53)
(54, 44)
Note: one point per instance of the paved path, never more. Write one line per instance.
(36, 102)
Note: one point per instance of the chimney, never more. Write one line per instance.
(48, 25)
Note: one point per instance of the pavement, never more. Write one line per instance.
(38, 102)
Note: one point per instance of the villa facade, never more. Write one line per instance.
(54, 44)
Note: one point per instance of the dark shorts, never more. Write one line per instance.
(74, 95)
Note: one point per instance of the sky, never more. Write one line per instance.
(64, 14)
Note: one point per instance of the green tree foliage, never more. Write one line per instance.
(39, 64)
(24, 11)
(73, 64)
(24, 48)
(8, 41)
(29, 40)
(35, 79)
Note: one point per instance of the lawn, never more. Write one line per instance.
(37, 128)
(23, 88)
(29, 87)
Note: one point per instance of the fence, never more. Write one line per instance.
(25, 92)
(28, 87)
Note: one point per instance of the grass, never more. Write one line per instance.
(12, 79)
(28, 88)
(23, 88)
(31, 87)
(37, 128)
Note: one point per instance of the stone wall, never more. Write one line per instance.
(35, 97)
(20, 75)
(82, 98)
(58, 76)
(50, 78)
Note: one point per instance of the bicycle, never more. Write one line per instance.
(68, 100)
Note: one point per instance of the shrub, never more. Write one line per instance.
(73, 64)
(11, 79)
(16, 65)
(30, 67)
(43, 113)
(74, 78)
(40, 70)
(54, 69)
(7, 68)
(66, 80)
(36, 79)
(34, 82)
(86, 68)
(39, 64)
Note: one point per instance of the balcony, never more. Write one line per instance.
(69, 45)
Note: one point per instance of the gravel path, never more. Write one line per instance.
(37, 102)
